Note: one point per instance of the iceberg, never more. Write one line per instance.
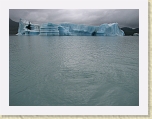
(68, 29)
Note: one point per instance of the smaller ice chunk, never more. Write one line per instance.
(136, 34)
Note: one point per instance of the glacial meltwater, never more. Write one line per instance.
(73, 71)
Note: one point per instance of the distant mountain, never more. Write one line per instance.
(13, 27)
(130, 31)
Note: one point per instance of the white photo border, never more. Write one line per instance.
(142, 109)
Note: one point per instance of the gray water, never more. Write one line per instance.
(73, 71)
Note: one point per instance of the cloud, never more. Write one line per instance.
(124, 17)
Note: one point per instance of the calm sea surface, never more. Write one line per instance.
(73, 71)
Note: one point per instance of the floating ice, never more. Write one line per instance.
(68, 29)
(135, 34)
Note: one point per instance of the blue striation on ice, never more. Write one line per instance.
(68, 29)
(49, 29)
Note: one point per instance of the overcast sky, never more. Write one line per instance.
(124, 17)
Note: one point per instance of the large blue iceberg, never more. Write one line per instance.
(68, 29)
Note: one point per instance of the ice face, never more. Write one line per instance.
(49, 29)
(64, 31)
(68, 29)
(27, 28)
(79, 30)
(109, 30)
(84, 30)
(21, 28)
